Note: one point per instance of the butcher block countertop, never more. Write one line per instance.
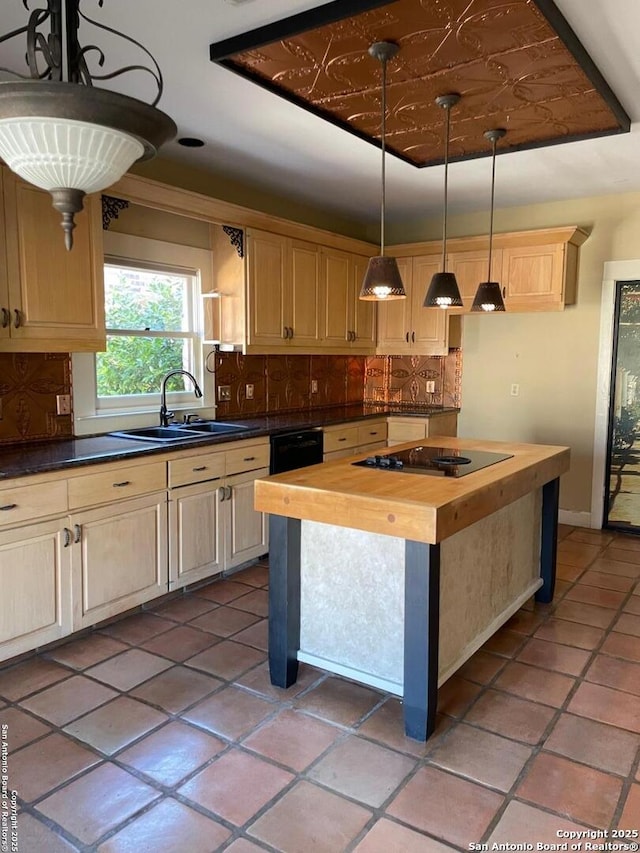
(411, 506)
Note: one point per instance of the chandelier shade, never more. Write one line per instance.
(443, 289)
(62, 134)
(382, 280)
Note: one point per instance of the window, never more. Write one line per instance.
(154, 324)
(152, 327)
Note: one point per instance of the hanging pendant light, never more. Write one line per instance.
(382, 281)
(60, 133)
(489, 295)
(443, 291)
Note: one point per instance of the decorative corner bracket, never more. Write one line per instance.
(111, 207)
(236, 238)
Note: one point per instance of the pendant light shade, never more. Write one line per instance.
(59, 132)
(488, 296)
(443, 291)
(382, 281)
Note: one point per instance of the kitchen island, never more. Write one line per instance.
(395, 580)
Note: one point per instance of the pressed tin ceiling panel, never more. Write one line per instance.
(516, 63)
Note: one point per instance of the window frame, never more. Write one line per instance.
(90, 416)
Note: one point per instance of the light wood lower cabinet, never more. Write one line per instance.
(196, 544)
(341, 440)
(246, 531)
(119, 557)
(35, 579)
(402, 430)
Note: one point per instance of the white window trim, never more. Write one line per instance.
(88, 421)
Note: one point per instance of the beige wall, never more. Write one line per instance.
(552, 356)
(228, 189)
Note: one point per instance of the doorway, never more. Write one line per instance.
(622, 477)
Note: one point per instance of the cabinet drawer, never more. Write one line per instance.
(247, 458)
(340, 438)
(107, 486)
(23, 503)
(372, 432)
(196, 469)
(405, 430)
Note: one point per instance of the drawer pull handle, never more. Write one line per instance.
(373, 433)
(249, 459)
(6, 318)
(7, 507)
(67, 537)
(200, 468)
(342, 439)
(78, 533)
(123, 483)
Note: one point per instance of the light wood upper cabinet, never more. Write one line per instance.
(348, 322)
(269, 290)
(55, 298)
(303, 314)
(534, 277)
(470, 268)
(404, 325)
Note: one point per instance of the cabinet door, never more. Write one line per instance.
(445, 424)
(470, 268)
(364, 312)
(35, 579)
(268, 289)
(195, 540)
(247, 531)
(394, 318)
(428, 325)
(534, 277)
(305, 294)
(336, 275)
(5, 313)
(119, 557)
(56, 296)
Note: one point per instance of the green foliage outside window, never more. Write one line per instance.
(136, 300)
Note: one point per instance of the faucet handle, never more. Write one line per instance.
(189, 417)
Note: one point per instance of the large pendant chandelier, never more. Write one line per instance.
(58, 131)
(382, 281)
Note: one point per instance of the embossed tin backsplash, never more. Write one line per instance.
(29, 385)
(407, 380)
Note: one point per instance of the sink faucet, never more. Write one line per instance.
(165, 415)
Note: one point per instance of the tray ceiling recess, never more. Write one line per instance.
(517, 64)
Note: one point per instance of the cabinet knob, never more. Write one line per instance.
(290, 331)
(77, 529)
(66, 534)
(6, 317)
(17, 321)
(229, 492)
(413, 337)
(406, 337)
(222, 491)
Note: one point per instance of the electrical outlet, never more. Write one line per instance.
(314, 386)
(515, 390)
(249, 392)
(224, 392)
(430, 386)
(63, 404)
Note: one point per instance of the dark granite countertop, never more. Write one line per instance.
(22, 459)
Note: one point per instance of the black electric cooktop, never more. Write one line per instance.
(435, 461)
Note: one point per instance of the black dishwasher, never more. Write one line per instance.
(291, 450)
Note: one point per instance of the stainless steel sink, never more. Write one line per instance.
(157, 433)
(216, 427)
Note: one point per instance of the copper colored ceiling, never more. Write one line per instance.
(516, 63)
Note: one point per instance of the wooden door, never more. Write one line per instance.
(196, 543)
(363, 312)
(35, 579)
(534, 277)
(394, 318)
(247, 531)
(336, 276)
(428, 325)
(268, 288)
(56, 296)
(305, 294)
(119, 557)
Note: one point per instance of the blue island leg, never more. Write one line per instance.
(549, 540)
(284, 599)
(421, 636)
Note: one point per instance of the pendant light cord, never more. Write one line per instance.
(493, 191)
(383, 125)
(446, 191)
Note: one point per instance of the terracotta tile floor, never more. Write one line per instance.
(160, 733)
